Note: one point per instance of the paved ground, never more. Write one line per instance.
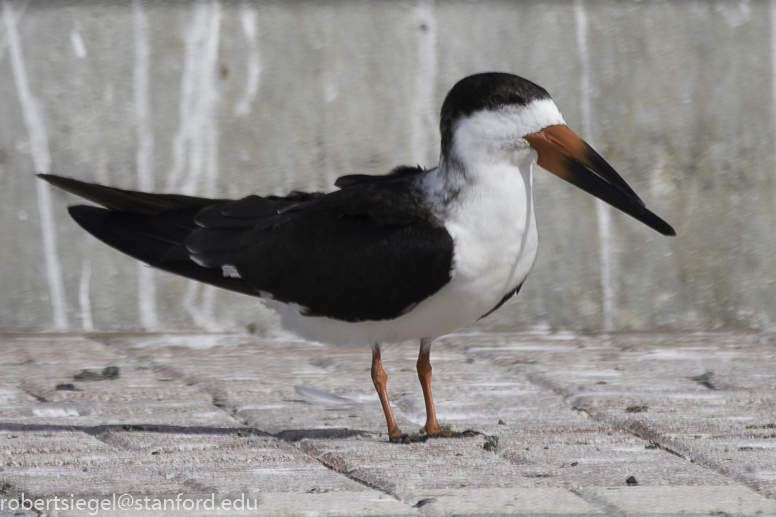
(564, 422)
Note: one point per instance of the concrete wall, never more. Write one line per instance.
(228, 98)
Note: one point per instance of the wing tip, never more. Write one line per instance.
(88, 217)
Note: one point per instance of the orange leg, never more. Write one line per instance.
(379, 378)
(424, 374)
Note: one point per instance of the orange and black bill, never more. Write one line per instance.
(566, 155)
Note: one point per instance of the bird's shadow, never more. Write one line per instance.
(288, 435)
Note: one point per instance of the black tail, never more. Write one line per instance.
(126, 200)
(151, 228)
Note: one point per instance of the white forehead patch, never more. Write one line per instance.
(539, 114)
(493, 131)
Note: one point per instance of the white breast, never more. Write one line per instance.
(495, 237)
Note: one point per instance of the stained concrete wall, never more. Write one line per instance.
(228, 98)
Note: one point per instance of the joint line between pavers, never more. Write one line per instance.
(356, 479)
(31, 393)
(599, 502)
(217, 402)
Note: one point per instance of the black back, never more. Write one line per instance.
(400, 172)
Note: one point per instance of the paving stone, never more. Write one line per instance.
(170, 412)
(64, 462)
(38, 366)
(35, 366)
(752, 462)
(575, 453)
(100, 474)
(198, 440)
(707, 500)
(20, 446)
(232, 463)
(394, 468)
(508, 501)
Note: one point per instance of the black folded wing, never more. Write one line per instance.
(369, 252)
(365, 253)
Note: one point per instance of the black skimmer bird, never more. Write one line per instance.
(414, 254)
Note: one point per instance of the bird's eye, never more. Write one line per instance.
(497, 100)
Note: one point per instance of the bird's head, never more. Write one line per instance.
(494, 117)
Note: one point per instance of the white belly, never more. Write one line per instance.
(495, 245)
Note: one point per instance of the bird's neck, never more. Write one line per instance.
(460, 179)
